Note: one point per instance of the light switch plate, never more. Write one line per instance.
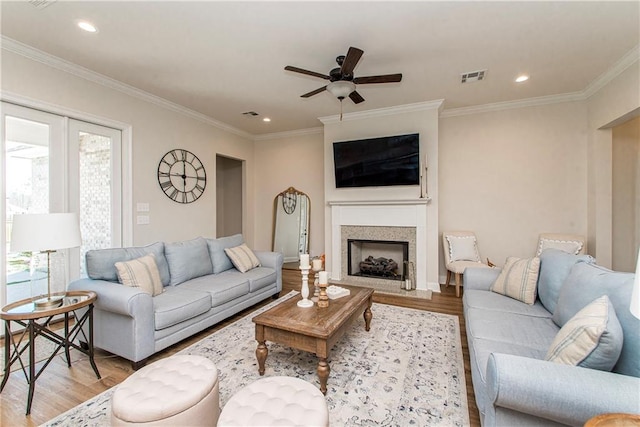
(142, 219)
(143, 207)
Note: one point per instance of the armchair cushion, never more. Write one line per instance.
(518, 279)
(141, 273)
(573, 247)
(591, 339)
(463, 248)
(188, 260)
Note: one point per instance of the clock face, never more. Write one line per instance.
(181, 176)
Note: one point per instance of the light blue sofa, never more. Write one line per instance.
(508, 341)
(201, 288)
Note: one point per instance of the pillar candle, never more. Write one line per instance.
(324, 277)
(304, 261)
(317, 264)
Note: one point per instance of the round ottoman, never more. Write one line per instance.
(276, 401)
(176, 391)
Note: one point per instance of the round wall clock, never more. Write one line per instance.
(181, 176)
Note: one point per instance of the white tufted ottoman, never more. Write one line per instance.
(176, 391)
(276, 401)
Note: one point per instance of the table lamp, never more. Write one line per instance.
(45, 233)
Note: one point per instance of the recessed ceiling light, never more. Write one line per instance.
(87, 26)
(266, 119)
(522, 78)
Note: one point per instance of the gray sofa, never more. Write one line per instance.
(201, 288)
(508, 341)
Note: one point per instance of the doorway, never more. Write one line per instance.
(229, 196)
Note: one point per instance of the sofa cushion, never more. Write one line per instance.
(176, 305)
(242, 258)
(222, 287)
(518, 279)
(219, 259)
(495, 302)
(141, 273)
(585, 283)
(463, 248)
(555, 265)
(187, 260)
(590, 339)
(261, 277)
(101, 263)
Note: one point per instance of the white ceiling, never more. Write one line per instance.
(225, 58)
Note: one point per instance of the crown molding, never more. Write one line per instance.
(386, 111)
(509, 105)
(92, 76)
(618, 68)
(288, 134)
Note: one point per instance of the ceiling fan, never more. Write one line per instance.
(342, 82)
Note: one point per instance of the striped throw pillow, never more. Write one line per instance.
(242, 258)
(518, 279)
(141, 273)
(590, 339)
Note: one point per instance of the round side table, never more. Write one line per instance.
(36, 322)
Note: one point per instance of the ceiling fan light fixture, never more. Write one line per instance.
(341, 88)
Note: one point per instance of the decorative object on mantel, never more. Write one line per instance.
(409, 283)
(323, 299)
(424, 188)
(305, 302)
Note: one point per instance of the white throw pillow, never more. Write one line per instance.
(591, 339)
(463, 248)
(141, 273)
(572, 247)
(518, 279)
(242, 258)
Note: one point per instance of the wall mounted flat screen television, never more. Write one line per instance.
(377, 162)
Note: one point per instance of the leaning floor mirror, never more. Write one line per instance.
(291, 224)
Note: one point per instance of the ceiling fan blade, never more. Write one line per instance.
(307, 72)
(313, 92)
(356, 97)
(388, 78)
(353, 56)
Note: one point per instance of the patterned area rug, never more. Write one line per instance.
(44, 349)
(407, 370)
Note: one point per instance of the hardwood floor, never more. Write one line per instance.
(60, 388)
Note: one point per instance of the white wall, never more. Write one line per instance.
(155, 131)
(513, 174)
(290, 161)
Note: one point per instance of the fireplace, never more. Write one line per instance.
(382, 259)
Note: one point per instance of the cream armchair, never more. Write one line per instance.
(460, 251)
(570, 243)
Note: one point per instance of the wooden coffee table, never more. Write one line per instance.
(313, 329)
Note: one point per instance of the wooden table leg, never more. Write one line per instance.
(367, 316)
(261, 353)
(7, 352)
(323, 374)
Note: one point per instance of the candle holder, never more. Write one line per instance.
(323, 298)
(305, 302)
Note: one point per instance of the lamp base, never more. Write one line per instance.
(48, 302)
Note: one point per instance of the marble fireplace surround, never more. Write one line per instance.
(378, 220)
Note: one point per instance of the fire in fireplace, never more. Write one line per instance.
(382, 259)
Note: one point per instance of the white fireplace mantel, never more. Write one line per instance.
(383, 213)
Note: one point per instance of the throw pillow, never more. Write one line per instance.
(463, 248)
(141, 273)
(518, 279)
(569, 246)
(591, 339)
(101, 262)
(242, 258)
(188, 260)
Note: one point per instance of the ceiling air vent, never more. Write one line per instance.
(473, 76)
(41, 4)
(250, 114)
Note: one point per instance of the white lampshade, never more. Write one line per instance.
(635, 296)
(45, 232)
(341, 89)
